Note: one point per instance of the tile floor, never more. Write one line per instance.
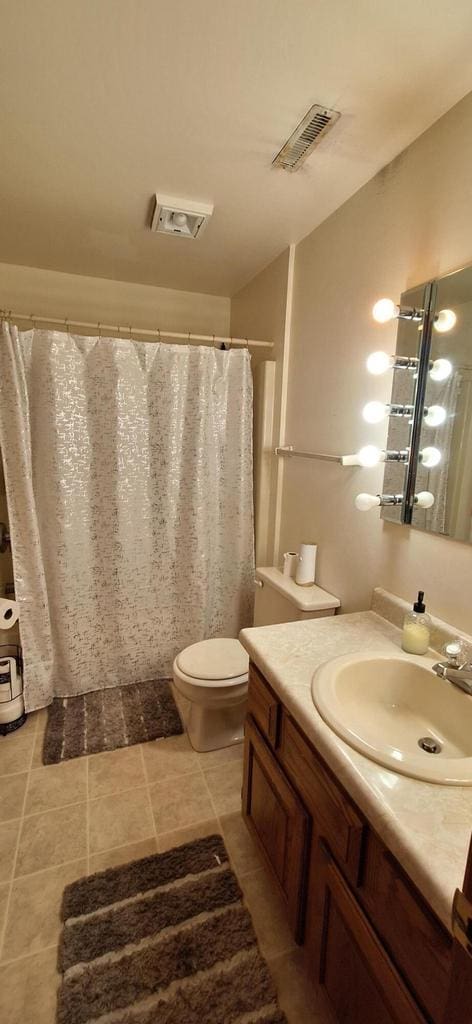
(60, 822)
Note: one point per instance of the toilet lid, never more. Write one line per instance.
(214, 659)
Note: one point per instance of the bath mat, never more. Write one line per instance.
(164, 939)
(107, 719)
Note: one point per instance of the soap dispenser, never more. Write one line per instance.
(417, 628)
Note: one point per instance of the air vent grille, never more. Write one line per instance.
(306, 136)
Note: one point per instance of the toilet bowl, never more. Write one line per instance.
(212, 675)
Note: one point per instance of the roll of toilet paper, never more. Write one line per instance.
(9, 613)
(290, 563)
(306, 565)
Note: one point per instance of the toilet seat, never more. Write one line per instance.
(219, 662)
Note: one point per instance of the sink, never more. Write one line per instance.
(396, 711)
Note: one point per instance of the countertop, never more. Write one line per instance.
(426, 826)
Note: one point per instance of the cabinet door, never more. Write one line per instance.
(279, 821)
(362, 984)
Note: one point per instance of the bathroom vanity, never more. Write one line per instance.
(366, 860)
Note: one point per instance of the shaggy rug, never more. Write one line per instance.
(164, 939)
(107, 719)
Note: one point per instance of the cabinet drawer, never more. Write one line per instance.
(417, 941)
(335, 818)
(263, 705)
(278, 819)
(359, 977)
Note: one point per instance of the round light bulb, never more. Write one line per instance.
(435, 415)
(424, 499)
(441, 369)
(370, 456)
(445, 320)
(430, 457)
(374, 412)
(180, 219)
(384, 310)
(364, 502)
(379, 362)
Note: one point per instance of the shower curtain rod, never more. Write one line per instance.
(156, 335)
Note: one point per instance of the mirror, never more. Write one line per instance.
(448, 387)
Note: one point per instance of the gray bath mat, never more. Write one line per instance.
(107, 719)
(164, 939)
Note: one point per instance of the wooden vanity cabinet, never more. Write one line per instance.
(370, 939)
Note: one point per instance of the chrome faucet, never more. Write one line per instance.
(457, 669)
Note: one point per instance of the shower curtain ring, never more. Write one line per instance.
(33, 321)
(247, 344)
(66, 321)
(159, 335)
(99, 326)
(130, 332)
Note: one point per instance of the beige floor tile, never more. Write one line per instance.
(57, 785)
(186, 835)
(213, 758)
(28, 989)
(225, 785)
(268, 913)
(115, 771)
(33, 917)
(240, 845)
(12, 794)
(297, 997)
(181, 802)
(52, 837)
(4, 890)
(119, 819)
(8, 839)
(169, 758)
(15, 752)
(124, 854)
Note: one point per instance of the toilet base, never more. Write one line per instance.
(212, 729)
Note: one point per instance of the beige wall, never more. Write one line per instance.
(262, 310)
(50, 293)
(411, 222)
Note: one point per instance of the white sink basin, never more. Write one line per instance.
(383, 705)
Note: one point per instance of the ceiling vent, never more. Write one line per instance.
(306, 136)
(181, 217)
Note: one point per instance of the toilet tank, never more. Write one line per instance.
(280, 599)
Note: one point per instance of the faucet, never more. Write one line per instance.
(456, 669)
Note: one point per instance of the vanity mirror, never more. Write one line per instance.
(429, 444)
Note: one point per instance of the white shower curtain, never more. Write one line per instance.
(128, 469)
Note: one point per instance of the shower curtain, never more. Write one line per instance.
(128, 469)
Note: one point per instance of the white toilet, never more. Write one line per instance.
(213, 674)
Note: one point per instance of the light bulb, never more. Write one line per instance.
(374, 412)
(384, 310)
(424, 499)
(379, 362)
(370, 456)
(435, 415)
(180, 219)
(441, 369)
(445, 320)
(364, 502)
(430, 457)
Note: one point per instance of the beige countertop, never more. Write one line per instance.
(426, 826)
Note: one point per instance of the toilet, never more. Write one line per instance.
(212, 675)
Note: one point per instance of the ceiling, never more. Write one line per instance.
(105, 102)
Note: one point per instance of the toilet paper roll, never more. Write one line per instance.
(290, 563)
(9, 613)
(306, 566)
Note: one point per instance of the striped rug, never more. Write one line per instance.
(163, 940)
(107, 719)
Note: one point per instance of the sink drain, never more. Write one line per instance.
(429, 745)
